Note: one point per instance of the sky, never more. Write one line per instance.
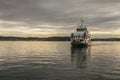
(46, 18)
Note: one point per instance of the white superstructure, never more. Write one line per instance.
(81, 36)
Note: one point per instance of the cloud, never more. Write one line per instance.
(60, 16)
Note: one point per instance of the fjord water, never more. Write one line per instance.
(42, 60)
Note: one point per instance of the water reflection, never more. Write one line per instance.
(80, 56)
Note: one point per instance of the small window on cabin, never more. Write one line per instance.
(80, 29)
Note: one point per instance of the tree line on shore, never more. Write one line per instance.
(57, 38)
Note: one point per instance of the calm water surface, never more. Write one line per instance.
(22, 60)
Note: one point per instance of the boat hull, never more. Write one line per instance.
(79, 44)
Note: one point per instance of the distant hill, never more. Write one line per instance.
(10, 38)
(57, 38)
(106, 39)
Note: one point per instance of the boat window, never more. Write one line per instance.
(80, 29)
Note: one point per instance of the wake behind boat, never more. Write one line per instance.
(81, 37)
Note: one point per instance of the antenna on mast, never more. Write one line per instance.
(82, 21)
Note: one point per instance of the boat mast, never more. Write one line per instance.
(82, 21)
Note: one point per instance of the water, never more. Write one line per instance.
(36, 60)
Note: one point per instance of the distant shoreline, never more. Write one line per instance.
(57, 38)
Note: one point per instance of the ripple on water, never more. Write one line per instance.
(58, 61)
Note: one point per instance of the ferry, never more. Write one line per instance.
(81, 36)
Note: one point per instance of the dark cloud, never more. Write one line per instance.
(60, 14)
